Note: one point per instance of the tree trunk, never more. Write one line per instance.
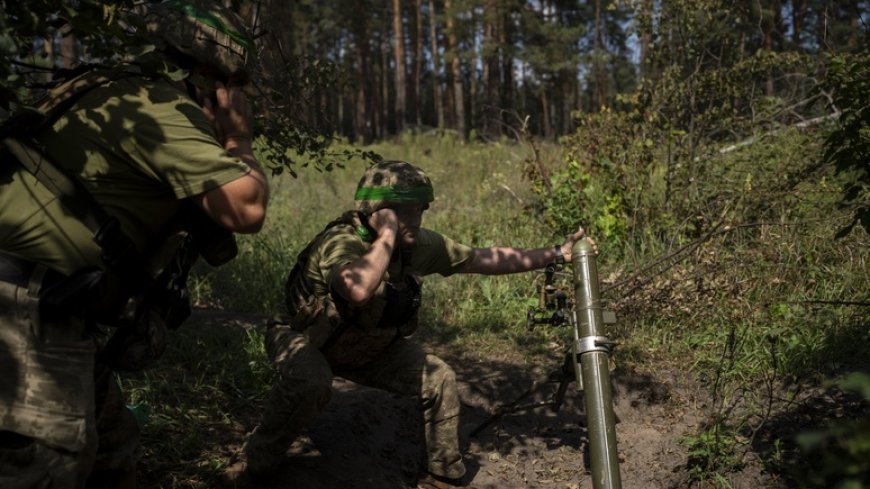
(456, 70)
(798, 14)
(472, 75)
(545, 107)
(646, 31)
(418, 61)
(508, 86)
(382, 125)
(854, 31)
(449, 93)
(490, 75)
(768, 23)
(599, 96)
(363, 103)
(568, 105)
(436, 66)
(399, 57)
(822, 32)
(275, 16)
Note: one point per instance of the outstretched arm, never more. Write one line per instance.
(500, 260)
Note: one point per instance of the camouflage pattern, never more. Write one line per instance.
(207, 32)
(304, 388)
(353, 336)
(60, 417)
(388, 183)
(301, 393)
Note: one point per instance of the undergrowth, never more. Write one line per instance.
(722, 260)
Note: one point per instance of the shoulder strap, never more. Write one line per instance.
(47, 109)
(21, 143)
(73, 195)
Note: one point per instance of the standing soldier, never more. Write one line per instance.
(353, 298)
(136, 152)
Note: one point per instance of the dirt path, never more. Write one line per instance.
(369, 439)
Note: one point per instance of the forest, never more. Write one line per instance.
(472, 66)
(366, 70)
(718, 152)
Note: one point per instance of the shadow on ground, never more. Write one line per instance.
(206, 396)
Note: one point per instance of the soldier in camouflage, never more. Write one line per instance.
(353, 298)
(144, 149)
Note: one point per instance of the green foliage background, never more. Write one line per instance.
(732, 222)
(716, 255)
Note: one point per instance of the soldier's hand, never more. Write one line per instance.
(568, 245)
(384, 219)
(230, 114)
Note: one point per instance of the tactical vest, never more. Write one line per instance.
(353, 336)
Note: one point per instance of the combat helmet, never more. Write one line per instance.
(205, 31)
(389, 183)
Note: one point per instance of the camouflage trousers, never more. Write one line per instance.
(305, 384)
(63, 418)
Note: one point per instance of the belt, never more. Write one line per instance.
(17, 270)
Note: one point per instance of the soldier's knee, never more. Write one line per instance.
(438, 373)
(306, 394)
(318, 392)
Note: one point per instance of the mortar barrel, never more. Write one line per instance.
(594, 366)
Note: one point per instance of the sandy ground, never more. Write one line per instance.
(368, 438)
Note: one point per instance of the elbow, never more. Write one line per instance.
(250, 221)
(358, 296)
(239, 206)
(351, 290)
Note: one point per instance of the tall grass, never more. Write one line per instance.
(759, 307)
(481, 199)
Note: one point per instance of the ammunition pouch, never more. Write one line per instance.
(137, 343)
(83, 294)
(141, 313)
(402, 301)
(215, 244)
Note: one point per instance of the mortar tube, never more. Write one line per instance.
(595, 372)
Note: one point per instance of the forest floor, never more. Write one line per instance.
(368, 438)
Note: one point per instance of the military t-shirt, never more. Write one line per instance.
(431, 253)
(139, 146)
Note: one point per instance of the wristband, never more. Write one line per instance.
(560, 258)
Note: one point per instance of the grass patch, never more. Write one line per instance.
(760, 303)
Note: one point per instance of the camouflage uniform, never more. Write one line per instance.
(141, 148)
(368, 345)
(62, 411)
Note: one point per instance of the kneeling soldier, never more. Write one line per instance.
(353, 298)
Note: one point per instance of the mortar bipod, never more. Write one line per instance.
(566, 373)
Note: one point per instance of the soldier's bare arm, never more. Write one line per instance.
(239, 205)
(501, 260)
(357, 281)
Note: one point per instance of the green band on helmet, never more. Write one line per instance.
(398, 193)
(210, 20)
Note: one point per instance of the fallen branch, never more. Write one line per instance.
(804, 124)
